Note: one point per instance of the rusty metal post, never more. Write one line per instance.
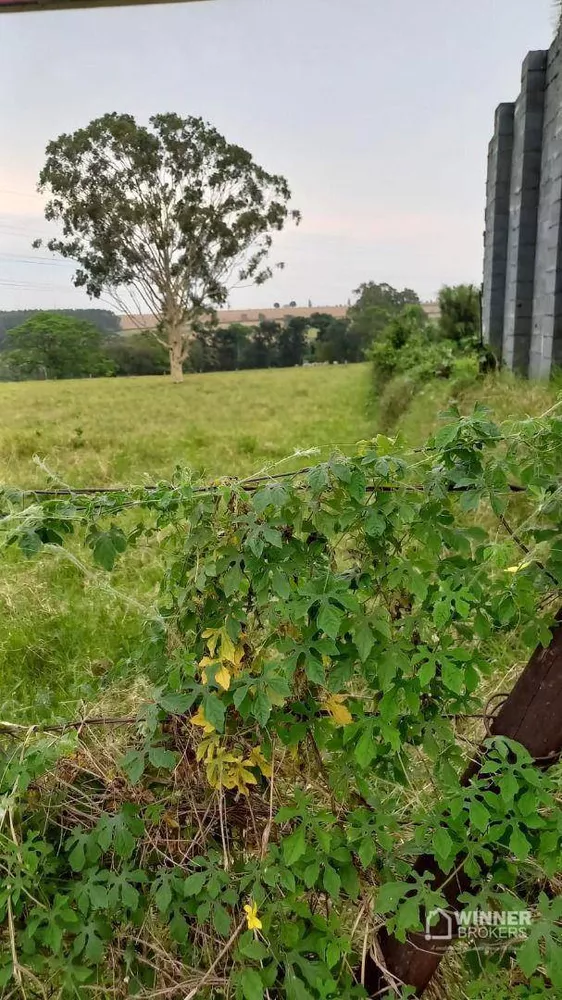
(530, 715)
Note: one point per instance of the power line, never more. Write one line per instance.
(34, 260)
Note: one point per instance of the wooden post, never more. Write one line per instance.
(530, 715)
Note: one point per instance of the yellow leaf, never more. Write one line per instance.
(335, 705)
(207, 661)
(199, 720)
(208, 748)
(212, 636)
(257, 759)
(222, 677)
(227, 646)
(517, 569)
(238, 655)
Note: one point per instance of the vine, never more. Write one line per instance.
(325, 647)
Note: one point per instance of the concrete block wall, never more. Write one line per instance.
(500, 154)
(522, 300)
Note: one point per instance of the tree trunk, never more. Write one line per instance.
(176, 354)
(530, 715)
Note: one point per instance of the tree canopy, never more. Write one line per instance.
(51, 345)
(384, 296)
(168, 217)
(460, 313)
(104, 319)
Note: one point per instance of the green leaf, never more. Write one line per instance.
(375, 524)
(77, 857)
(261, 708)
(215, 711)
(331, 881)
(251, 984)
(294, 846)
(29, 543)
(389, 895)
(529, 955)
(364, 640)
(350, 880)
(446, 435)
(311, 874)
(442, 614)
(250, 947)
(509, 786)
(329, 620)
(179, 928)
(177, 704)
(129, 895)
(194, 884)
(427, 672)
(479, 815)
(318, 478)
(163, 895)
(133, 765)
(105, 551)
(232, 579)
(366, 749)
(453, 677)
(519, 845)
(221, 920)
(442, 845)
(160, 757)
(314, 670)
(280, 584)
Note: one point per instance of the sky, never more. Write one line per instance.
(378, 112)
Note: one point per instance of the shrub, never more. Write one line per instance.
(410, 343)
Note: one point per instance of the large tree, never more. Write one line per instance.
(384, 296)
(167, 217)
(374, 307)
(51, 345)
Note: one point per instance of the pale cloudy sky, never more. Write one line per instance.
(377, 111)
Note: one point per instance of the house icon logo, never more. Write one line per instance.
(438, 925)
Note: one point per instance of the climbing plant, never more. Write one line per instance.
(323, 652)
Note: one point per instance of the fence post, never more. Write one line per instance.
(530, 715)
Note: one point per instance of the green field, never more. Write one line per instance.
(65, 637)
(103, 431)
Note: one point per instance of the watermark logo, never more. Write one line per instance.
(480, 927)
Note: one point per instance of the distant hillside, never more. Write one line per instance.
(104, 319)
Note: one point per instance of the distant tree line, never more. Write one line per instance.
(86, 343)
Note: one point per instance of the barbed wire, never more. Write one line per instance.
(253, 483)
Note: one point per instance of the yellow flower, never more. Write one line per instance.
(335, 705)
(199, 720)
(251, 911)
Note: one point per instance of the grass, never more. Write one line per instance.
(63, 636)
(104, 431)
(506, 395)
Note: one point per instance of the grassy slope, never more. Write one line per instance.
(505, 394)
(61, 633)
